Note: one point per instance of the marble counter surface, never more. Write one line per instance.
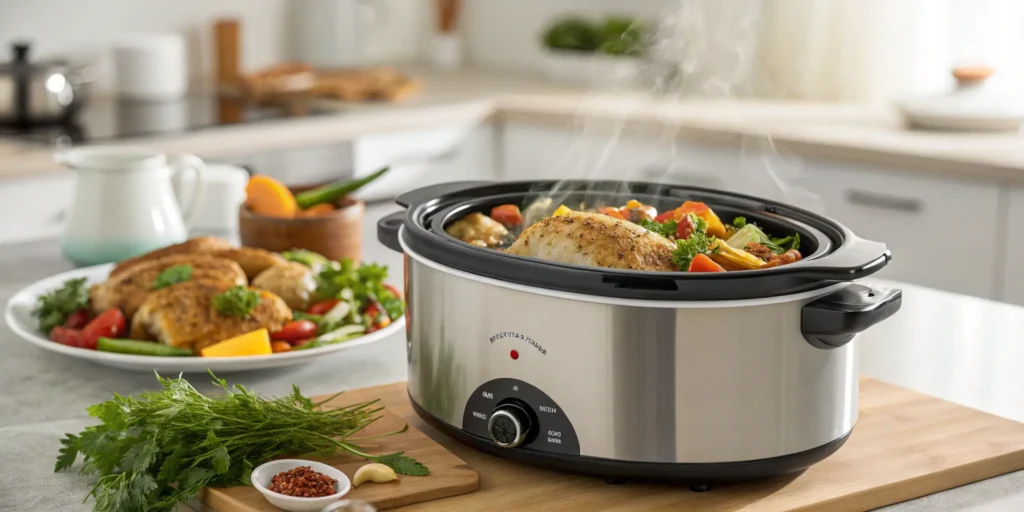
(871, 134)
(962, 349)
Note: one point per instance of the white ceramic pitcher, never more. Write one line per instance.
(125, 203)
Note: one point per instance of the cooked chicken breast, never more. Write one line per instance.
(478, 229)
(183, 316)
(253, 261)
(293, 282)
(595, 240)
(129, 289)
(192, 246)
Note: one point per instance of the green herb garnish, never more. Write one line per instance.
(365, 281)
(236, 301)
(160, 449)
(173, 275)
(697, 243)
(665, 229)
(739, 222)
(54, 308)
(781, 245)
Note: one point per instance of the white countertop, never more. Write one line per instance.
(858, 132)
(959, 348)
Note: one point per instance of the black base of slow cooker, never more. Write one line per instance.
(698, 475)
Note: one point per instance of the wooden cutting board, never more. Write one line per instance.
(450, 476)
(905, 445)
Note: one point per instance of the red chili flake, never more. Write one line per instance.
(303, 482)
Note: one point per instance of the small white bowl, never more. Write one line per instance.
(262, 476)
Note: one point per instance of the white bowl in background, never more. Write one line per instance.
(590, 68)
(262, 475)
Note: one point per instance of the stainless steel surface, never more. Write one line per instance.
(35, 92)
(692, 384)
(494, 426)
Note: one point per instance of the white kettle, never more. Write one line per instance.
(125, 203)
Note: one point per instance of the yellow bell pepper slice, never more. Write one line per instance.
(255, 343)
(562, 210)
(731, 258)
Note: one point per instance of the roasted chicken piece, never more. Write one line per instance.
(595, 240)
(183, 316)
(253, 261)
(129, 289)
(192, 246)
(478, 229)
(293, 282)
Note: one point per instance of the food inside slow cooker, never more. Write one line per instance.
(689, 238)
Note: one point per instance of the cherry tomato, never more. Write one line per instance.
(372, 328)
(294, 331)
(507, 214)
(110, 324)
(321, 308)
(66, 336)
(375, 312)
(394, 291)
(298, 343)
(77, 320)
(684, 229)
(280, 346)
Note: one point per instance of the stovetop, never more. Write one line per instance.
(109, 119)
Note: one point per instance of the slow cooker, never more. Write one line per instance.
(630, 375)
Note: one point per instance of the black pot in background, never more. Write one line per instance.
(43, 92)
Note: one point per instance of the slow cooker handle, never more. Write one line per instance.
(856, 258)
(833, 320)
(387, 230)
(424, 194)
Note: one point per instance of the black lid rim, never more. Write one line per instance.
(845, 258)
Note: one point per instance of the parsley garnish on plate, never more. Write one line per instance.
(236, 301)
(173, 275)
(53, 308)
(161, 448)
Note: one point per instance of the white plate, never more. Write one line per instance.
(18, 316)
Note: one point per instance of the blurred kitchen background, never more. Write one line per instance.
(899, 118)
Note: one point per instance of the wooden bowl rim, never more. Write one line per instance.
(350, 207)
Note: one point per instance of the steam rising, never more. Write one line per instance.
(699, 50)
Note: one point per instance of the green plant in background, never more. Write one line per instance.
(572, 34)
(616, 35)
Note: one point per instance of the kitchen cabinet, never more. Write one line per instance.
(424, 157)
(35, 208)
(531, 151)
(1011, 286)
(943, 233)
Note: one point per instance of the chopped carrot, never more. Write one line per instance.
(612, 212)
(702, 263)
(318, 210)
(266, 196)
(280, 346)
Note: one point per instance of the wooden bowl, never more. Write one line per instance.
(336, 236)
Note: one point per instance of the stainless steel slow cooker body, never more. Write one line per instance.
(630, 387)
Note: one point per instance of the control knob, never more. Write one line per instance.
(509, 425)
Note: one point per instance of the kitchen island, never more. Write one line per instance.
(951, 346)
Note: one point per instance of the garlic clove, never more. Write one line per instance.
(374, 472)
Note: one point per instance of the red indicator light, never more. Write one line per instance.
(514, 354)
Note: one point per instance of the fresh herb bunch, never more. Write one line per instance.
(365, 281)
(236, 301)
(699, 242)
(173, 275)
(158, 450)
(53, 308)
